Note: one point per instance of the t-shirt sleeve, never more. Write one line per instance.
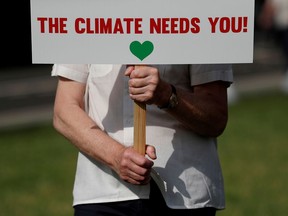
(76, 72)
(205, 73)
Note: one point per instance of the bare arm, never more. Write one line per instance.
(203, 108)
(71, 121)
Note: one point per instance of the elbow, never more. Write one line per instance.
(218, 126)
(217, 131)
(57, 122)
(212, 126)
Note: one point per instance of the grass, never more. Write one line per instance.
(36, 172)
(37, 165)
(254, 155)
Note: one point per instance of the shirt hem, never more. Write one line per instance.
(92, 201)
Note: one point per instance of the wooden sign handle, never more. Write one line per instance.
(139, 126)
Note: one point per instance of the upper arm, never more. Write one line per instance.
(215, 90)
(69, 93)
(214, 95)
(213, 99)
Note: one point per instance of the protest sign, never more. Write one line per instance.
(142, 32)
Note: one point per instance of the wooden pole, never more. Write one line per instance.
(139, 126)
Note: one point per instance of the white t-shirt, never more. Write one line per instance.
(187, 168)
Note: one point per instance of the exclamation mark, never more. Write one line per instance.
(245, 24)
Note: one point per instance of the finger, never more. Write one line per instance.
(139, 90)
(139, 72)
(138, 82)
(137, 182)
(151, 152)
(129, 70)
(141, 179)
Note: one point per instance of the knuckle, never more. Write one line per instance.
(149, 94)
(154, 70)
(131, 82)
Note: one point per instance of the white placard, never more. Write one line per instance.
(142, 31)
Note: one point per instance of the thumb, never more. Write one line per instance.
(151, 152)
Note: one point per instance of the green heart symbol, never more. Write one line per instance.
(143, 50)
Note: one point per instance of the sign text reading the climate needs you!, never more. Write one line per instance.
(137, 31)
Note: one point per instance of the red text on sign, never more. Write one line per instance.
(54, 25)
(174, 25)
(228, 24)
(108, 26)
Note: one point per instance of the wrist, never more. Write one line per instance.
(164, 92)
(172, 100)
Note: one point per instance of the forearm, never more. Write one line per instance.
(73, 123)
(193, 111)
(200, 111)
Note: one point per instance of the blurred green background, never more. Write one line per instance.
(37, 164)
(254, 156)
